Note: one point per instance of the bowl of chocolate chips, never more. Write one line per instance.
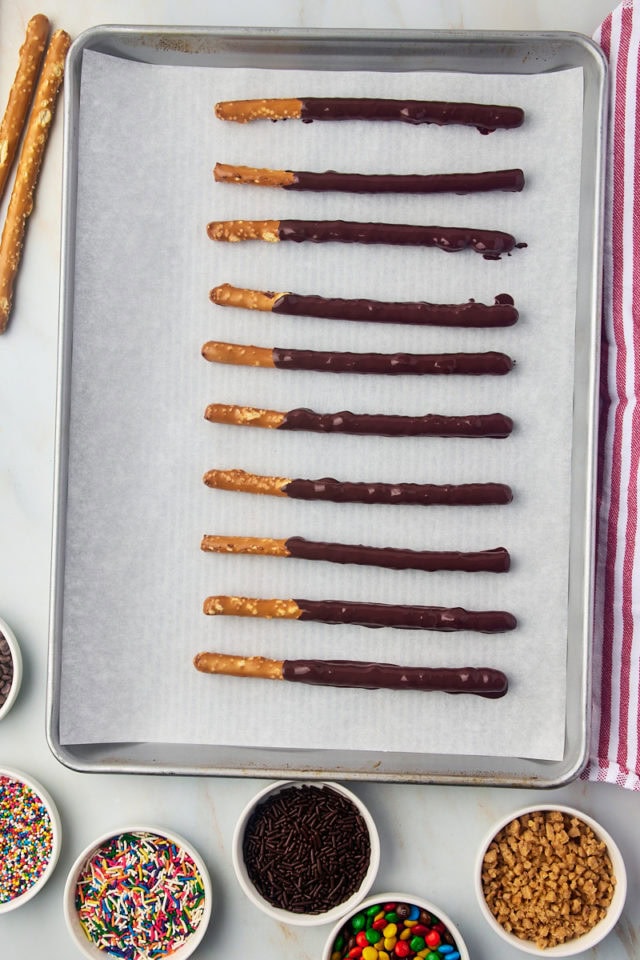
(305, 853)
(10, 668)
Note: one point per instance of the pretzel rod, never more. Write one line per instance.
(363, 614)
(495, 425)
(15, 115)
(489, 561)
(331, 180)
(482, 681)
(486, 117)
(502, 313)
(329, 361)
(28, 169)
(342, 491)
(489, 243)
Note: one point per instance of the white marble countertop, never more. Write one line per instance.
(429, 834)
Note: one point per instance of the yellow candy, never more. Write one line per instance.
(383, 955)
(336, 955)
(379, 916)
(410, 923)
(390, 930)
(423, 953)
(390, 942)
(405, 934)
(369, 953)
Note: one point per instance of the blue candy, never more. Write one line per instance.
(414, 913)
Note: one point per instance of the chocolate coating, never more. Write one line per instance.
(395, 363)
(462, 183)
(483, 681)
(406, 617)
(485, 117)
(394, 558)
(495, 425)
(470, 314)
(490, 243)
(422, 494)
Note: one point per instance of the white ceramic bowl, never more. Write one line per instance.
(600, 930)
(56, 831)
(394, 897)
(16, 657)
(86, 946)
(288, 916)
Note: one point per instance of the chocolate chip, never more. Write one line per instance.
(6, 670)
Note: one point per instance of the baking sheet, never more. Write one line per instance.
(136, 509)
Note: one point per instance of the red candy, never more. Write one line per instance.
(433, 938)
(402, 949)
(361, 939)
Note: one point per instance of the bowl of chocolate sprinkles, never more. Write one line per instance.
(305, 852)
(10, 668)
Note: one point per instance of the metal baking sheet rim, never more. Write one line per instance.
(475, 51)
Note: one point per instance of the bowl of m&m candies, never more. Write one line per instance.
(138, 892)
(395, 926)
(29, 838)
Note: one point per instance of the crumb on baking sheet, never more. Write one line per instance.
(547, 878)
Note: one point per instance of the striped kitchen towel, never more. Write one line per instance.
(615, 747)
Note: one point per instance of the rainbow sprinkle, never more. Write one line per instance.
(26, 838)
(139, 895)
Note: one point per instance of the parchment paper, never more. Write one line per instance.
(135, 577)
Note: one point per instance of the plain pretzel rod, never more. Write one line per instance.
(28, 169)
(21, 93)
(482, 681)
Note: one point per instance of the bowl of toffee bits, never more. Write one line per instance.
(395, 926)
(550, 881)
(305, 852)
(10, 668)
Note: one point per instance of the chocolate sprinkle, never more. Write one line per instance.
(6, 670)
(306, 849)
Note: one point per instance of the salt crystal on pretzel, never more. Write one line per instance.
(28, 170)
(21, 93)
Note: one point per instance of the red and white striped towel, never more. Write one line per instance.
(615, 741)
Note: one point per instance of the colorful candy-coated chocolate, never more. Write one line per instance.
(394, 931)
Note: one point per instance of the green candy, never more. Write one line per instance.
(338, 943)
(391, 917)
(373, 935)
(373, 910)
(418, 943)
(432, 955)
(358, 921)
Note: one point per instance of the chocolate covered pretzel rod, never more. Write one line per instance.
(485, 117)
(331, 180)
(496, 560)
(482, 681)
(343, 491)
(329, 361)
(489, 243)
(15, 115)
(400, 616)
(496, 425)
(501, 313)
